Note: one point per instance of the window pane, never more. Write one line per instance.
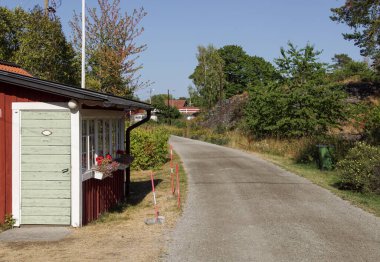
(113, 122)
(100, 138)
(121, 134)
(91, 134)
(107, 137)
(84, 145)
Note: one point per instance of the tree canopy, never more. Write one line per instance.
(299, 66)
(38, 44)
(302, 104)
(242, 70)
(363, 17)
(111, 48)
(208, 76)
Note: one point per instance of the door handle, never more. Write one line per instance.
(65, 170)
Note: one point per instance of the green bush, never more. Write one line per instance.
(282, 112)
(308, 151)
(149, 147)
(359, 171)
(372, 126)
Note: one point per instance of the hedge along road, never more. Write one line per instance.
(242, 208)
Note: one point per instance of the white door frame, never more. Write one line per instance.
(76, 179)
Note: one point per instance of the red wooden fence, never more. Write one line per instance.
(101, 195)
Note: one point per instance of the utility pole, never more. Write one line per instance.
(46, 7)
(168, 112)
(168, 97)
(83, 82)
(150, 95)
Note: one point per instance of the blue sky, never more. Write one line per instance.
(174, 29)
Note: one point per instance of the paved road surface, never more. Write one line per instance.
(241, 208)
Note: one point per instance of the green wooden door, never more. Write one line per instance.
(45, 167)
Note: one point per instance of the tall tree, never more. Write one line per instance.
(242, 70)
(38, 44)
(341, 60)
(11, 25)
(208, 76)
(345, 68)
(303, 103)
(363, 17)
(234, 69)
(111, 48)
(299, 66)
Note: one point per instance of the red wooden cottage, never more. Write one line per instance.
(50, 137)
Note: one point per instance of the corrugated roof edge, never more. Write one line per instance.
(69, 91)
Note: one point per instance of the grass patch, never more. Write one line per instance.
(141, 195)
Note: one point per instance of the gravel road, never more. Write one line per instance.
(242, 208)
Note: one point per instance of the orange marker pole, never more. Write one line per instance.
(171, 159)
(172, 182)
(178, 193)
(154, 195)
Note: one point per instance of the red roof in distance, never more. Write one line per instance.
(177, 103)
(13, 68)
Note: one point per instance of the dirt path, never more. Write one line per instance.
(120, 237)
(242, 208)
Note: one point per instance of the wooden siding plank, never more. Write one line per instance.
(47, 176)
(43, 150)
(45, 220)
(41, 159)
(45, 167)
(43, 202)
(46, 185)
(45, 124)
(52, 194)
(56, 132)
(8, 151)
(46, 141)
(43, 115)
(2, 157)
(45, 211)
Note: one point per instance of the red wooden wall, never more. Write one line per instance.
(8, 95)
(101, 195)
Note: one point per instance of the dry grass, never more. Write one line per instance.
(289, 148)
(118, 236)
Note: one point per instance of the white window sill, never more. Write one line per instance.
(91, 173)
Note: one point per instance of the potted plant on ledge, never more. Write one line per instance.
(105, 167)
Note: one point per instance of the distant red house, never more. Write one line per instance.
(182, 107)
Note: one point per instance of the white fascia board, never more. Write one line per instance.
(76, 170)
(16, 174)
(39, 106)
(101, 114)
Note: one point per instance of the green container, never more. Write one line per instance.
(325, 157)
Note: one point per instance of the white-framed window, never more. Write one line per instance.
(101, 135)
(84, 155)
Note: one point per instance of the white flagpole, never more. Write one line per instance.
(83, 43)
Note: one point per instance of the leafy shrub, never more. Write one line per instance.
(308, 151)
(9, 222)
(372, 126)
(149, 147)
(308, 110)
(208, 135)
(359, 171)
